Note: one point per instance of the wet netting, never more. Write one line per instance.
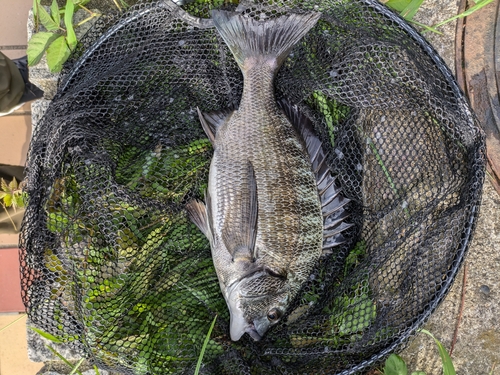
(111, 263)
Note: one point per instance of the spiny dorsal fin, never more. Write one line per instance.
(211, 121)
(240, 239)
(305, 129)
(332, 201)
(271, 39)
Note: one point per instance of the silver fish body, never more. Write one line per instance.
(263, 214)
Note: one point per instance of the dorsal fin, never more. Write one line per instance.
(240, 238)
(332, 201)
(212, 121)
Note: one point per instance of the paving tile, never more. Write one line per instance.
(13, 31)
(13, 347)
(10, 282)
(15, 135)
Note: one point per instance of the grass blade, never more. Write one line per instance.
(468, 12)
(75, 369)
(448, 368)
(46, 335)
(68, 22)
(57, 354)
(205, 344)
(14, 321)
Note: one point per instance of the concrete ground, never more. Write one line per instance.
(477, 349)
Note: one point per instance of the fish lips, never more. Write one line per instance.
(238, 324)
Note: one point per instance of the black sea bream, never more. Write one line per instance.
(269, 193)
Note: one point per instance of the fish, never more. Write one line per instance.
(272, 207)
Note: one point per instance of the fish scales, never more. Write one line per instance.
(263, 213)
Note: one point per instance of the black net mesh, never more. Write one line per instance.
(111, 263)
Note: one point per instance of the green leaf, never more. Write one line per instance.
(398, 5)
(47, 20)
(68, 21)
(468, 12)
(7, 200)
(54, 11)
(13, 184)
(411, 9)
(46, 335)
(57, 54)
(394, 365)
(418, 373)
(35, 8)
(37, 45)
(448, 368)
(19, 200)
(205, 343)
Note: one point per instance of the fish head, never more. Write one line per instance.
(256, 303)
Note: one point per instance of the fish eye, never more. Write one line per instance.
(274, 314)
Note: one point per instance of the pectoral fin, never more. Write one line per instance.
(212, 121)
(239, 235)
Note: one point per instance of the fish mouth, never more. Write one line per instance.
(253, 333)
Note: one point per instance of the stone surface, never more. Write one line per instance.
(38, 351)
(477, 350)
(60, 368)
(432, 12)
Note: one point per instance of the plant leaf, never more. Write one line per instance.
(398, 5)
(37, 45)
(448, 368)
(46, 335)
(77, 366)
(62, 358)
(68, 21)
(13, 184)
(47, 20)
(19, 200)
(468, 12)
(205, 343)
(54, 12)
(411, 9)
(418, 373)
(35, 8)
(57, 54)
(4, 186)
(394, 365)
(7, 200)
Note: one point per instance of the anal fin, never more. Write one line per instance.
(197, 213)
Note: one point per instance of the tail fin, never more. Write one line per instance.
(271, 39)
